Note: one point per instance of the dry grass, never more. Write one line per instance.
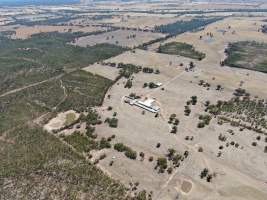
(120, 37)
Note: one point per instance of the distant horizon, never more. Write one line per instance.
(36, 2)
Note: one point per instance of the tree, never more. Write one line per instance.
(201, 125)
(191, 65)
(119, 147)
(171, 153)
(162, 163)
(142, 155)
(169, 170)
(150, 159)
(200, 149)
(209, 177)
(176, 159)
(128, 84)
(129, 153)
(194, 100)
(174, 130)
(113, 122)
(145, 85)
(186, 154)
(103, 144)
(176, 122)
(219, 87)
(254, 144)
(204, 173)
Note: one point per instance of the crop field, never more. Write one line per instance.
(122, 38)
(249, 55)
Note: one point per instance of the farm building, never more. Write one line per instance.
(148, 104)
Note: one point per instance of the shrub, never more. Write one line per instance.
(201, 125)
(129, 153)
(204, 173)
(103, 156)
(128, 84)
(113, 122)
(150, 159)
(103, 144)
(169, 170)
(120, 147)
(162, 163)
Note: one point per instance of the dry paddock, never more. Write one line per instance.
(239, 172)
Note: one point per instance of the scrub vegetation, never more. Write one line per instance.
(182, 49)
(247, 54)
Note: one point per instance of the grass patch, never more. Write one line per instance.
(70, 118)
(182, 49)
(79, 142)
(248, 55)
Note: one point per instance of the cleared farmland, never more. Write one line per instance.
(123, 38)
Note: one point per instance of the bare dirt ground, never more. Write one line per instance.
(123, 38)
(240, 172)
(61, 120)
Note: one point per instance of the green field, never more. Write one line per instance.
(181, 49)
(248, 55)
